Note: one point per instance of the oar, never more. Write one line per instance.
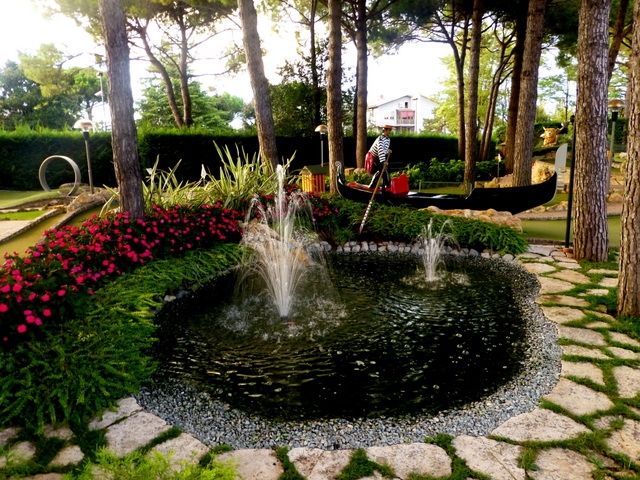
(373, 196)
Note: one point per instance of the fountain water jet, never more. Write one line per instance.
(432, 245)
(280, 250)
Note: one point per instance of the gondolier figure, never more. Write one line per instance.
(380, 151)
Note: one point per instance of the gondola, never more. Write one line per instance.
(508, 199)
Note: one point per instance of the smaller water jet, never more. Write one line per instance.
(432, 245)
(280, 252)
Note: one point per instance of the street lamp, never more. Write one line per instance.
(614, 106)
(322, 130)
(85, 126)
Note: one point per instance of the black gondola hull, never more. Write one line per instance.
(507, 199)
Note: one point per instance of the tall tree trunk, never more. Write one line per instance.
(315, 76)
(629, 277)
(334, 93)
(514, 97)
(124, 140)
(591, 237)
(528, 93)
(471, 138)
(141, 30)
(183, 70)
(617, 37)
(361, 80)
(497, 80)
(259, 84)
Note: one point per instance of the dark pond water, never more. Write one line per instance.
(374, 340)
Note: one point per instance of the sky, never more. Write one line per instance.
(415, 69)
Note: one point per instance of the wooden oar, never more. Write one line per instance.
(373, 196)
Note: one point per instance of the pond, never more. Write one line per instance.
(371, 340)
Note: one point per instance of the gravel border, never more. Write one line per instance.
(213, 422)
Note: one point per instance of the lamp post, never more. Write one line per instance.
(322, 130)
(85, 126)
(614, 106)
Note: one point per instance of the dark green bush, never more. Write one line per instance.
(450, 171)
(405, 224)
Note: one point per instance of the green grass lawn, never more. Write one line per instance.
(13, 198)
(556, 230)
(26, 215)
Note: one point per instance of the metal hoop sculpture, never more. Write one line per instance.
(43, 169)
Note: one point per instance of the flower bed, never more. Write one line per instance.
(51, 281)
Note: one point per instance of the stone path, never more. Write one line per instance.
(587, 427)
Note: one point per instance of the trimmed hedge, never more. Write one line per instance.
(22, 152)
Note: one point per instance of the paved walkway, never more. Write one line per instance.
(587, 427)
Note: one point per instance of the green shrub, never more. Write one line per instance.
(80, 367)
(136, 466)
(450, 171)
(405, 224)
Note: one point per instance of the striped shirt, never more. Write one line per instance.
(380, 147)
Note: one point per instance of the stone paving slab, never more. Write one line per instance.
(554, 285)
(628, 380)
(183, 449)
(565, 300)
(578, 399)
(498, 460)
(316, 464)
(583, 370)
(582, 335)
(562, 314)
(562, 464)
(146, 426)
(540, 425)
(126, 407)
(71, 455)
(261, 464)
(624, 339)
(421, 458)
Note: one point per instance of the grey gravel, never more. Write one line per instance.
(213, 422)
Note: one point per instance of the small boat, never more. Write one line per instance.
(507, 199)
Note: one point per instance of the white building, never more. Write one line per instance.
(405, 113)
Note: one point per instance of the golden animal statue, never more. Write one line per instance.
(550, 136)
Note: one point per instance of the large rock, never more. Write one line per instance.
(628, 380)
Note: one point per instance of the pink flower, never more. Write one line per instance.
(46, 312)
(17, 288)
(3, 307)
(46, 297)
(22, 328)
(62, 293)
(5, 288)
(38, 322)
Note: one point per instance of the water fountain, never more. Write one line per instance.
(431, 245)
(279, 249)
(360, 338)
